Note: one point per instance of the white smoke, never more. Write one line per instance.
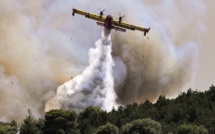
(95, 85)
(37, 53)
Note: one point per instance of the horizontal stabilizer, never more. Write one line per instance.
(119, 29)
(100, 24)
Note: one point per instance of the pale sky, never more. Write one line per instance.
(205, 75)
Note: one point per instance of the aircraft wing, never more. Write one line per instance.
(89, 15)
(130, 26)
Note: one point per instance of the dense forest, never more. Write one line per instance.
(192, 112)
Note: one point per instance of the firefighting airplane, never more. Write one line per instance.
(109, 23)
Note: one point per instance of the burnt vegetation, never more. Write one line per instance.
(192, 112)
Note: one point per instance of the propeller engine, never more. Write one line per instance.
(101, 12)
(121, 17)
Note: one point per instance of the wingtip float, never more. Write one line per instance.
(109, 23)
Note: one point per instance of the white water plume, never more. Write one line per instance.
(95, 85)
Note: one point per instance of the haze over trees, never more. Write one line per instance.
(192, 112)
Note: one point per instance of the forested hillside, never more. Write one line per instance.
(192, 112)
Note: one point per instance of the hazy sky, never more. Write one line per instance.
(205, 75)
(37, 53)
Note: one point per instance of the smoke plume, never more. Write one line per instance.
(95, 85)
(42, 46)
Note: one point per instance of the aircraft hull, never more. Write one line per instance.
(107, 31)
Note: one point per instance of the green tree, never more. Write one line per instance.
(60, 121)
(30, 125)
(90, 119)
(108, 128)
(191, 129)
(142, 126)
(8, 128)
